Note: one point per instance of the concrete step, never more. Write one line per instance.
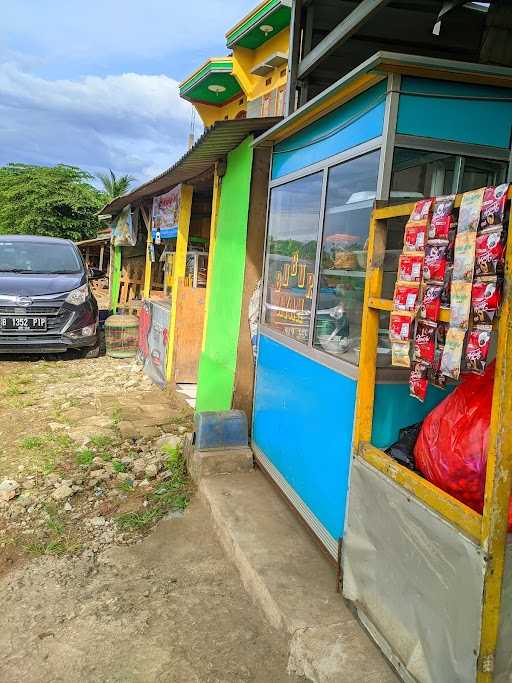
(293, 582)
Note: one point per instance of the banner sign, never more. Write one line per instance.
(125, 228)
(153, 340)
(166, 211)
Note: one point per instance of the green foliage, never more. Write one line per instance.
(114, 186)
(85, 456)
(118, 466)
(58, 201)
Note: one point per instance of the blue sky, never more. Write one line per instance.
(93, 83)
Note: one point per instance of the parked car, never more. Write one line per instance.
(46, 303)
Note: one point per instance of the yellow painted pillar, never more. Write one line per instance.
(211, 251)
(180, 262)
(148, 265)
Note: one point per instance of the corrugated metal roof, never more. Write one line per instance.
(213, 145)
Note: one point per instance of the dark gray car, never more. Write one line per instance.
(46, 303)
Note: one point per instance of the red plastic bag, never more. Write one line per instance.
(451, 449)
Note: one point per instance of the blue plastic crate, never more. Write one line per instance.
(223, 429)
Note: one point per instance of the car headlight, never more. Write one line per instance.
(78, 296)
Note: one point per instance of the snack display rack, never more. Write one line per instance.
(485, 535)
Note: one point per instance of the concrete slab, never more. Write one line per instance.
(209, 463)
(293, 582)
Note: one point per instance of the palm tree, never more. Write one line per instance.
(114, 186)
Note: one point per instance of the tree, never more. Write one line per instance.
(58, 201)
(114, 186)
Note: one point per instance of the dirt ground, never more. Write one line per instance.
(110, 571)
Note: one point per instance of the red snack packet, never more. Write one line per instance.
(410, 267)
(477, 349)
(441, 218)
(400, 326)
(490, 252)
(431, 303)
(418, 381)
(425, 341)
(434, 265)
(415, 236)
(405, 297)
(421, 210)
(493, 206)
(485, 300)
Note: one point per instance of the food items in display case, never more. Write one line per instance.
(452, 352)
(464, 257)
(406, 296)
(401, 354)
(418, 381)
(493, 206)
(490, 252)
(436, 261)
(415, 236)
(410, 267)
(460, 304)
(485, 300)
(345, 260)
(431, 302)
(477, 349)
(425, 341)
(400, 326)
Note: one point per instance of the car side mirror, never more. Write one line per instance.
(95, 274)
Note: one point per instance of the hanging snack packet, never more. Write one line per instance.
(434, 265)
(452, 353)
(485, 299)
(400, 324)
(493, 206)
(441, 332)
(464, 259)
(400, 354)
(431, 302)
(441, 218)
(450, 250)
(447, 288)
(421, 210)
(460, 304)
(415, 236)
(410, 267)
(436, 376)
(418, 381)
(406, 295)
(477, 349)
(469, 213)
(425, 341)
(490, 252)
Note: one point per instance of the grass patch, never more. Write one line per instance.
(31, 442)
(100, 442)
(118, 466)
(116, 417)
(85, 456)
(49, 450)
(172, 494)
(59, 547)
(126, 486)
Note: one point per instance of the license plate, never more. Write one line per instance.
(22, 324)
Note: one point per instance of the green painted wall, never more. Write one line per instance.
(217, 364)
(116, 279)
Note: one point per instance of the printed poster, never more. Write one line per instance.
(125, 228)
(166, 211)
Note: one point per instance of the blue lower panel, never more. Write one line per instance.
(303, 418)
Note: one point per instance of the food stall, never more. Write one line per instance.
(396, 129)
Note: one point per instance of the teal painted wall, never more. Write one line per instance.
(217, 364)
(481, 122)
(357, 121)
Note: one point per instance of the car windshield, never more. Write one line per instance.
(50, 258)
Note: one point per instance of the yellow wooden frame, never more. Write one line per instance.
(179, 268)
(489, 530)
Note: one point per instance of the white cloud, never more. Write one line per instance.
(131, 123)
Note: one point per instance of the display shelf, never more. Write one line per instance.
(347, 273)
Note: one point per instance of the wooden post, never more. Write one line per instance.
(498, 483)
(211, 251)
(180, 262)
(102, 255)
(148, 264)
